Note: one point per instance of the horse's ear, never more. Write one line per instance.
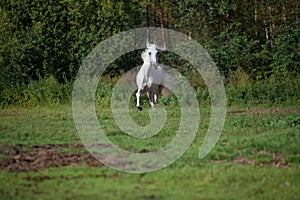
(159, 48)
(148, 44)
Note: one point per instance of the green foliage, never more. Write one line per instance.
(246, 35)
(238, 52)
(40, 40)
(286, 51)
(294, 121)
(272, 90)
(43, 92)
(241, 88)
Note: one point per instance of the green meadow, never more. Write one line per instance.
(256, 157)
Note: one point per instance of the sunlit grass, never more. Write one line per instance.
(241, 165)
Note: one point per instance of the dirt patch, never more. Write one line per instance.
(43, 156)
(264, 111)
(276, 160)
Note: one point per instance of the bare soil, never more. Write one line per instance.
(43, 156)
(38, 157)
(276, 161)
(264, 111)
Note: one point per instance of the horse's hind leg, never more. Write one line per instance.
(160, 88)
(157, 92)
(152, 98)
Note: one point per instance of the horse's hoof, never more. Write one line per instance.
(140, 107)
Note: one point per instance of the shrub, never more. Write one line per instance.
(46, 91)
(269, 91)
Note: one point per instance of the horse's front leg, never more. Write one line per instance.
(138, 94)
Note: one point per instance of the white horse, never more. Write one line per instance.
(150, 78)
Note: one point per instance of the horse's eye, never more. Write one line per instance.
(149, 53)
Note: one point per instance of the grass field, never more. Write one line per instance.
(257, 157)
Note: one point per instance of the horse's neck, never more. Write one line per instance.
(146, 67)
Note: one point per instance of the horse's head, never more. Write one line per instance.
(151, 53)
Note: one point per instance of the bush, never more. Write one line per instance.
(269, 91)
(286, 51)
(46, 91)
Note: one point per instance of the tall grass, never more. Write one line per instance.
(240, 89)
(274, 90)
(46, 91)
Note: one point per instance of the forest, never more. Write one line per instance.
(48, 40)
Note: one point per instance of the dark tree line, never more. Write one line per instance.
(50, 38)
